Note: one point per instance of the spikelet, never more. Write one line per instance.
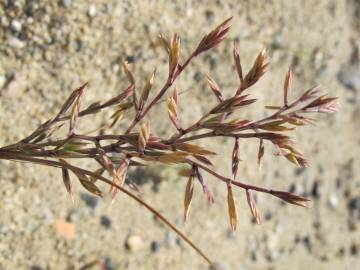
(67, 182)
(252, 206)
(212, 39)
(232, 207)
(146, 91)
(215, 88)
(144, 136)
(237, 62)
(172, 109)
(189, 191)
(174, 55)
(287, 87)
(258, 69)
(235, 158)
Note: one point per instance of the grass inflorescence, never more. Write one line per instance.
(115, 154)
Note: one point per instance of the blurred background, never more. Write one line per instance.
(48, 48)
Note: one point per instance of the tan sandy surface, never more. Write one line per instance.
(49, 47)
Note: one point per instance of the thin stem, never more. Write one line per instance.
(228, 180)
(212, 134)
(123, 190)
(193, 127)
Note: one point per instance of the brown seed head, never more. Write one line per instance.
(291, 198)
(258, 69)
(252, 206)
(189, 192)
(174, 55)
(215, 88)
(232, 208)
(237, 62)
(212, 39)
(235, 158)
(287, 86)
(127, 71)
(144, 136)
(146, 90)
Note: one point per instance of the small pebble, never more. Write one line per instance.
(105, 221)
(211, 60)
(338, 182)
(4, 21)
(299, 171)
(315, 191)
(324, 258)
(15, 86)
(29, 20)
(210, 16)
(134, 243)
(79, 45)
(178, 241)
(333, 201)
(90, 201)
(155, 246)
(16, 25)
(16, 43)
(92, 11)
(130, 59)
(354, 249)
(198, 76)
(341, 252)
(36, 267)
(297, 188)
(350, 77)
(354, 207)
(115, 68)
(108, 265)
(307, 242)
(66, 3)
(316, 224)
(268, 215)
(254, 256)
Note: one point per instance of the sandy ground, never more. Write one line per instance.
(49, 47)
